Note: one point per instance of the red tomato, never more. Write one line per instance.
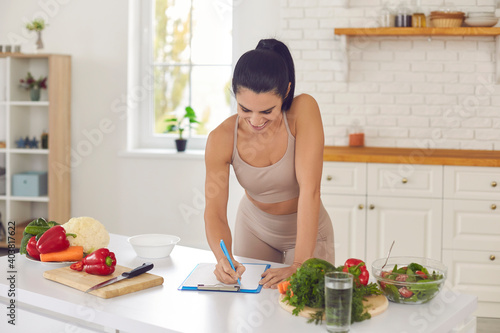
(422, 274)
(403, 291)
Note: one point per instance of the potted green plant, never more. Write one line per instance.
(37, 25)
(33, 85)
(179, 124)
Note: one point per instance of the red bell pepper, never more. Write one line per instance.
(31, 248)
(352, 262)
(364, 276)
(77, 266)
(53, 240)
(358, 269)
(100, 262)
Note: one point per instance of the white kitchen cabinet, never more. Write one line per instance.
(373, 204)
(471, 233)
(348, 215)
(447, 213)
(413, 223)
(472, 183)
(405, 180)
(471, 224)
(20, 118)
(404, 205)
(344, 178)
(476, 273)
(343, 189)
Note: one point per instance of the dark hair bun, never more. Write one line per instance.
(268, 68)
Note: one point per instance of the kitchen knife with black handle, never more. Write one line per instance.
(125, 275)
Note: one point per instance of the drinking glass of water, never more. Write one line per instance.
(338, 301)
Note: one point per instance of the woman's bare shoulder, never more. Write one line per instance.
(303, 109)
(304, 101)
(224, 129)
(220, 140)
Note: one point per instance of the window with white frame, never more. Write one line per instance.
(180, 55)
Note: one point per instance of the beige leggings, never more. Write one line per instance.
(264, 236)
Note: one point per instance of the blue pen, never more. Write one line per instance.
(224, 249)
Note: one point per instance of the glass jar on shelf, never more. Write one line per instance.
(356, 134)
(418, 19)
(403, 15)
(386, 16)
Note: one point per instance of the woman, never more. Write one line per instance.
(275, 145)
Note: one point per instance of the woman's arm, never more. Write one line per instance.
(217, 162)
(309, 145)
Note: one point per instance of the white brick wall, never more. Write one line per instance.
(404, 91)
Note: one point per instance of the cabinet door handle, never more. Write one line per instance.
(361, 206)
(492, 257)
(372, 207)
(404, 180)
(494, 184)
(329, 177)
(493, 207)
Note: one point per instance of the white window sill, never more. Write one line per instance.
(189, 154)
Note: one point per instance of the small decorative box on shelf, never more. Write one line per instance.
(29, 184)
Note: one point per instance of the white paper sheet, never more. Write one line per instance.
(204, 274)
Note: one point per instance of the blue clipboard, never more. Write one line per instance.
(202, 278)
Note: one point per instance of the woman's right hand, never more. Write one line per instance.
(225, 273)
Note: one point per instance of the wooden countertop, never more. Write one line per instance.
(488, 158)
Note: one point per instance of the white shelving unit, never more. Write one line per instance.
(20, 118)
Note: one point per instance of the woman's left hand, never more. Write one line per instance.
(273, 276)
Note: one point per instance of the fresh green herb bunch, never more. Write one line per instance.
(358, 295)
(37, 24)
(308, 286)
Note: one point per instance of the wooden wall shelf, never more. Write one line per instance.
(345, 33)
(484, 158)
(462, 31)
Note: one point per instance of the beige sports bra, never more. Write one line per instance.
(270, 184)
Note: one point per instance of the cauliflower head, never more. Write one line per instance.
(90, 233)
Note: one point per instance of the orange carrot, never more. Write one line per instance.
(72, 253)
(283, 286)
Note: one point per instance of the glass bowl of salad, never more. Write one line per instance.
(409, 280)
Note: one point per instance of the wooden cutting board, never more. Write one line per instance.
(83, 281)
(374, 305)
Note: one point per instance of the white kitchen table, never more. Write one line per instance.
(166, 309)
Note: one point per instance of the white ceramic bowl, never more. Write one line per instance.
(153, 246)
(481, 14)
(481, 21)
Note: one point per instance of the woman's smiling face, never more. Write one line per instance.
(259, 110)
